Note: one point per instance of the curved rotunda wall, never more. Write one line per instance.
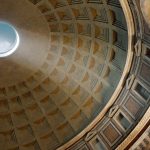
(129, 116)
(69, 62)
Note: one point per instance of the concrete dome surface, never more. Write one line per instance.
(73, 66)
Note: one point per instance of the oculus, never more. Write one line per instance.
(9, 39)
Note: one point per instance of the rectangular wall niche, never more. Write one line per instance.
(133, 107)
(142, 91)
(96, 144)
(110, 133)
(147, 52)
(123, 121)
(144, 72)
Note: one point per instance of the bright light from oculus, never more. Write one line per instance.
(9, 39)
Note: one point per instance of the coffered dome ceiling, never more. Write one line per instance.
(69, 62)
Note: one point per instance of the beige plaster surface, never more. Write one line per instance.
(34, 41)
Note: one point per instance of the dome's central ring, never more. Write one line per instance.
(9, 39)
